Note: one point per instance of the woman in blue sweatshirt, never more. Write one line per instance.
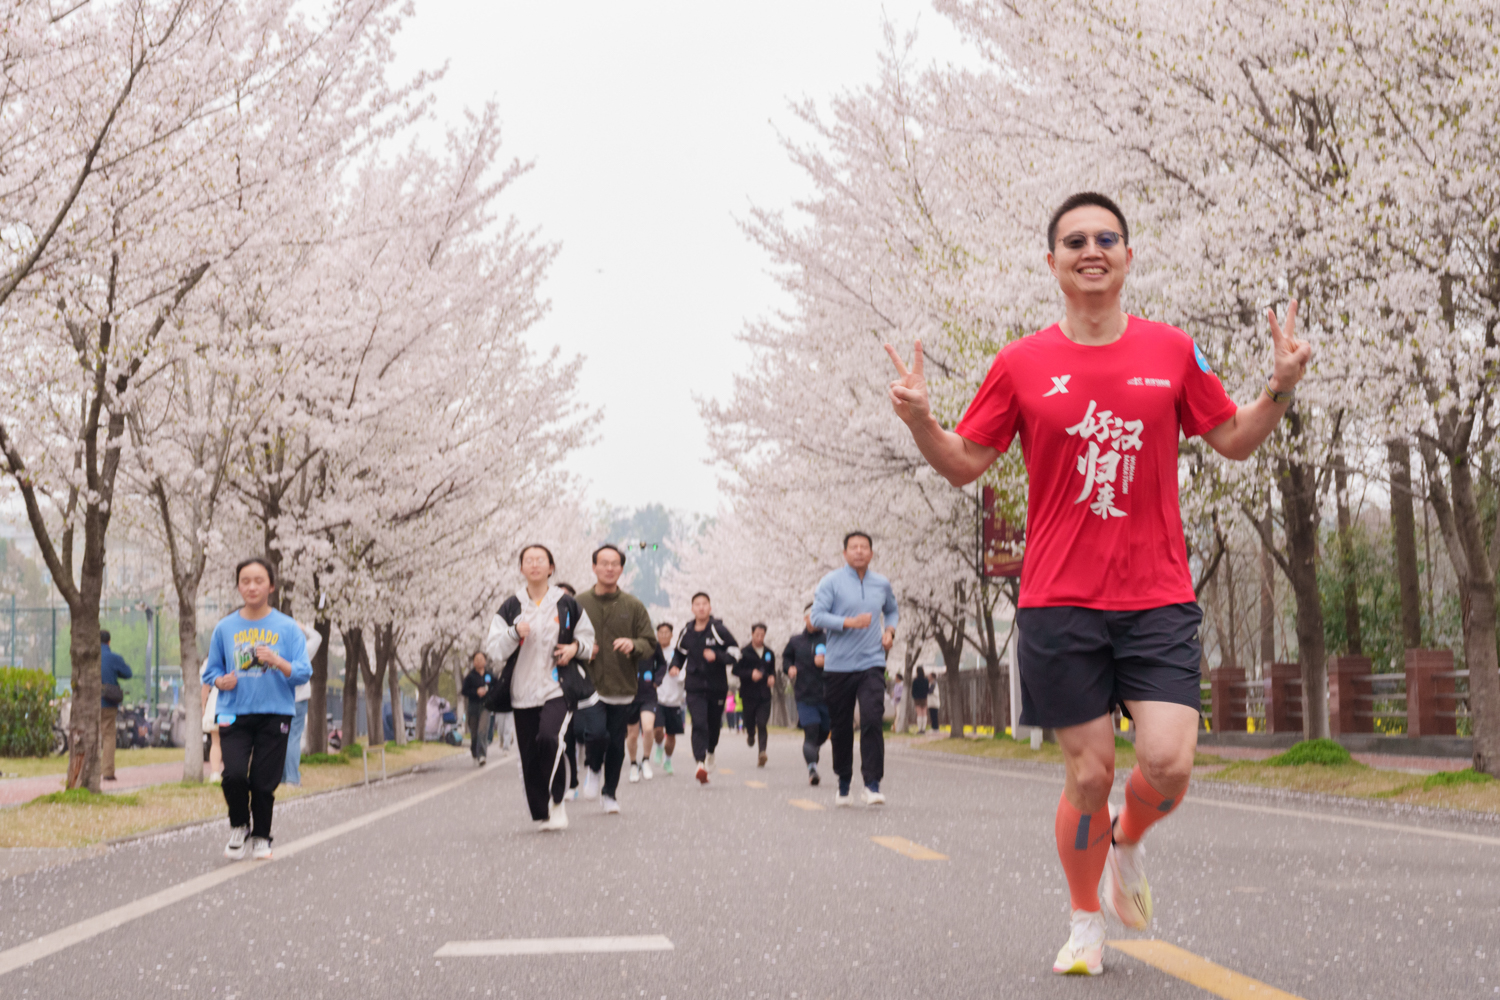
(256, 659)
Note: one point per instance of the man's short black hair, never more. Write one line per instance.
(759, 625)
(859, 534)
(665, 625)
(703, 594)
(611, 547)
(482, 654)
(104, 636)
(1078, 201)
(260, 561)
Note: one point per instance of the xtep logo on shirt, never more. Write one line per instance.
(1059, 385)
(1108, 466)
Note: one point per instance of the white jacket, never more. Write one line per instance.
(534, 680)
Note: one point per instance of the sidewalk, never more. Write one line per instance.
(18, 791)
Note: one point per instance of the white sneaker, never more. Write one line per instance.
(611, 807)
(635, 773)
(235, 849)
(217, 778)
(646, 769)
(1083, 955)
(873, 798)
(557, 817)
(709, 763)
(260, 849)
(842, 800)
(591, 784)
(1126, 891)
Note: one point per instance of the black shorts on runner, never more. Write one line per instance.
(669, 717)
(1077, 664)
(636, 708)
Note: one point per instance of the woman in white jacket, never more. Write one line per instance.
(524, 636)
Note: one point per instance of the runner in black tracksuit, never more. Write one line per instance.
(803, 661)
(705, 651)
(757, 673)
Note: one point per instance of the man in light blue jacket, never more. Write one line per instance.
(847, 604)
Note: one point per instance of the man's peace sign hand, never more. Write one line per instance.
(1290, 355)
(909, 392)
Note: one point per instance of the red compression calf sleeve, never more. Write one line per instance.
(1082, 846)
(1144, 805)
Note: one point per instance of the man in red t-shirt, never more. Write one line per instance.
(1107, 613)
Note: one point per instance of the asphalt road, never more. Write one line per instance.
(758, 897)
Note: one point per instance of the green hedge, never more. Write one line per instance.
(26, 712)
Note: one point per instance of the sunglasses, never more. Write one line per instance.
(1106, 240)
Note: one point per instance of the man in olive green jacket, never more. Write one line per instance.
(623, 636)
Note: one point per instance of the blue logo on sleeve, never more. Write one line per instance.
(1202, 360)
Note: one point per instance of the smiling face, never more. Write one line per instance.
(1088, 272)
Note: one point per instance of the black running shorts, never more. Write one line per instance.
(669, 717)
(636, 708)
(1077, 664)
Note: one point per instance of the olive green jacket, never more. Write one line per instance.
(617, 616)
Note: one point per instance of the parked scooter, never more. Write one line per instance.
(60, 725)
(131, 728)
(335, 734)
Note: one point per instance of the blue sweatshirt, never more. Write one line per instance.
(260, 690)
(112, 670)
(842, 594)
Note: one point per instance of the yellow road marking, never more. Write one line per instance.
(807, 804)
(912, 850)
(755, 784)
(1200, 972)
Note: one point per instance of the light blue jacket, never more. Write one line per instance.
(842, 594)
(259, 689)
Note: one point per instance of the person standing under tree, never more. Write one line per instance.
(256, 659)
(112, 670)
(757, 673)
(1107, 614)
(623, 628)
(845, 605)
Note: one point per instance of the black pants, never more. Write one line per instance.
(254, 749)
(607, 750)
(707, 711)
(479, 729)
(539, 739)
(757, 714)
(842, 691)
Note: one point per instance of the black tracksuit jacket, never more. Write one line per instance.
(755, 692)
(700, 676)
(799, 653)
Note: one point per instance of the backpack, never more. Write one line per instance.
(571, 677)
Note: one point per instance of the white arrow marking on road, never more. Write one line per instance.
(552, 946)
(50, 944)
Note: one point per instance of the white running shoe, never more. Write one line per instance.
(842, 799)
(635, 773)
(873, 798)
(557, 817)
(217, 778)
(611, 807)
(1125, 887)
(709, 763)
(235, 849)
(260, 849)
(646, 769)
(591, 783)
(1083, 955)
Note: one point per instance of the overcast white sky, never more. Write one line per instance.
(653, 127)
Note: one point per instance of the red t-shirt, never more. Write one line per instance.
(1099, 430)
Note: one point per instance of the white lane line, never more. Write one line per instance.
(552, 946)
(1370, 824)
(49, 944)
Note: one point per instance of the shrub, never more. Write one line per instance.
(324, 758)
(1452, 779)
(84, 797)
(26, 712)
(1325, 752)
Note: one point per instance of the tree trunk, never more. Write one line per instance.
(1299, 505)
(1479, 620)
(1354, 640)
(192, 684)
(317, 704)
(1267, 596)
(385, 644)
(353, 642)
(374, 679)
(952, 646)
(84, 763)
(1404, 531)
